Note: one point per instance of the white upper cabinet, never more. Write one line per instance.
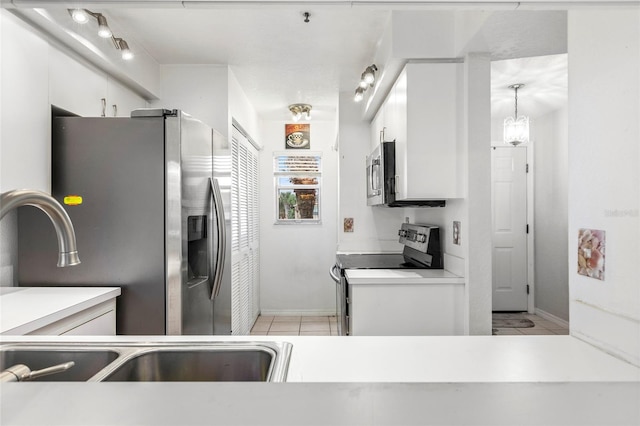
(121, 101)
(420, 115)
(80, 89)
(75, 87)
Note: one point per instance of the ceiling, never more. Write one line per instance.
(277, 57)
(545, 80)
(280, 59)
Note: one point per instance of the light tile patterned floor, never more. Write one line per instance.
(295, 326)
(327, 326)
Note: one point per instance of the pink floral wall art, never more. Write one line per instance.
(591, 249)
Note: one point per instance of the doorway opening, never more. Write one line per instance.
(540, 248)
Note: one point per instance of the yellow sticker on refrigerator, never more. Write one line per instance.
(72, 200)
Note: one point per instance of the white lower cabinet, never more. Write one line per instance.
(99, 320)
(406, 309)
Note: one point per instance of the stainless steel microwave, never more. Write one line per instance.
(381, 174)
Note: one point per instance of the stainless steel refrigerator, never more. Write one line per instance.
(153, 219)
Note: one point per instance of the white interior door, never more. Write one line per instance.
(509, 233)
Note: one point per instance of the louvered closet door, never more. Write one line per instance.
(245, 235)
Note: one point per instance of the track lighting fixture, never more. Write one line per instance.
(81, 16)
(367, 79)
(300, 110)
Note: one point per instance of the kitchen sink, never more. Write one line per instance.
(221, 364)
(88, 362)
(229, 361)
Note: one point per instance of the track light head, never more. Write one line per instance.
(363, 83)
(359, 95)
(369, 74)
(103, 28)
(80, 16)
(124, 49)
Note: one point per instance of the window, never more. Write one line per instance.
(297, 187)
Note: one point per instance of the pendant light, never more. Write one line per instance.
(516, 129)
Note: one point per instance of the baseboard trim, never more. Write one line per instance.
(298, 313)
(550, 317)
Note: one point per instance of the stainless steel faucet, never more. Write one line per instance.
(22, 373)
(68, 253)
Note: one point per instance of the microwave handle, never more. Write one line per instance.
(396, 185)
(374, 189)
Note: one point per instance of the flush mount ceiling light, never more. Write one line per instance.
(516, 129)
(367, 79)
(300, 110)
(81, 16)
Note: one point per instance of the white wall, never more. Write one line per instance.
(198, 90)
(604, 177)
(241, 110)
(551, 213)
(375, 229)
(295, 259)
(36, 75)
(477, 138)
(25, 129)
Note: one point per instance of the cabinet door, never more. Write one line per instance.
(245, 234)
(428, 164)
(391, 120)
(121, 101)
(400, 123)
(376, 127)
(104, 325)
(98, 320)
(74, 86)
(406, 309)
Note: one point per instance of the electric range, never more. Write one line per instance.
(421, 250)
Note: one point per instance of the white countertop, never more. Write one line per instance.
(402, 276)
(359, 380)
(420, 359)
(25, 309)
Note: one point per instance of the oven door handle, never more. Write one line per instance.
(333, 271)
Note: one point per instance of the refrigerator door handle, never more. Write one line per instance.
(222, 237)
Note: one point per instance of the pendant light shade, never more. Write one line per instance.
(516, 129)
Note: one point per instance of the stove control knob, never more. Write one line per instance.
(421, 238)
(402, 233)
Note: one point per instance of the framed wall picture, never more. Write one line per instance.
(297, 136)
(591, 253)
